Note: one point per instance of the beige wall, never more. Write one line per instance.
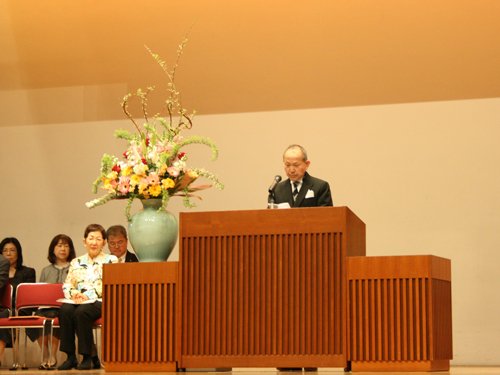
(423, 177)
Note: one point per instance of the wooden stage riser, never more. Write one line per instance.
(149, 312)
(399, 320)
(399, 313)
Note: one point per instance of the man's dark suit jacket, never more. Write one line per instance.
(314, 192)
(130, 257)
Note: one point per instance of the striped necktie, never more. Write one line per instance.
(295, 190)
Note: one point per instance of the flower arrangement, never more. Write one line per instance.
(153, 165)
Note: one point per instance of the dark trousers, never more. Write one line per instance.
(5, 333)
(78, 319)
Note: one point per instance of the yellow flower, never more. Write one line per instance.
(134, 180)
(167, 183)
(162, 170)
(127, 171)
(155, 190)
(143, 188)
(108, 184)
(193, 174)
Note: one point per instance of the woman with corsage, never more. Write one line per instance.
(83, 293)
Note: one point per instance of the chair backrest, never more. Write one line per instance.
(36, 295)
(6, 297)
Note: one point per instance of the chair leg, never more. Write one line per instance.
(15, 349)
(43, 342)
(51, 339)
(97, 346)
(24, 367)
(96, 342)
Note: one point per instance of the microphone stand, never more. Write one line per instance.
(270, 199)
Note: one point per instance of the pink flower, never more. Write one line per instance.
(160, 147)
(153, 179)
(123, 185)
(172, 171)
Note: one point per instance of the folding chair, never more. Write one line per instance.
(29, 296)
(6, 322)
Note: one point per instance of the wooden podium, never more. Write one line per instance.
(266, 288)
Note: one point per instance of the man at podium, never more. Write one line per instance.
(300, 189)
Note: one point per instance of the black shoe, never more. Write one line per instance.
(85, 364)
(96, 364)
(14, 367)
(68, 364)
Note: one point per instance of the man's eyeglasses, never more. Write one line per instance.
(116, 244)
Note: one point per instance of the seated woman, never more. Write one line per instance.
(83, 287)
(18, 273)
(61, 252)
(4, 280)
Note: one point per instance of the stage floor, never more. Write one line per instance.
(456, 370)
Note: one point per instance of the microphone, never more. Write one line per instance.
(277, 179)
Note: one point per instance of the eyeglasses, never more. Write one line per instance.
(116, 244)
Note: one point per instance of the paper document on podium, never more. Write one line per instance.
(67, 300)
(283, 205)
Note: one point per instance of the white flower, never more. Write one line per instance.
(140, 169)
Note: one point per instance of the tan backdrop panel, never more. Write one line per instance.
(424, 178)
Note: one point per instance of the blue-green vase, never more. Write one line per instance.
(153, 232)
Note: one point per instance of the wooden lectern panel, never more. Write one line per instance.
(266, 288)
(399, 313)
(139, 313)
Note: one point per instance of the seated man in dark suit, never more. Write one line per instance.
(117, 244)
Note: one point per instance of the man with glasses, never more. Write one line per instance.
(117, 244)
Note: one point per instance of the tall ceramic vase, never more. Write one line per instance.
(153, 232)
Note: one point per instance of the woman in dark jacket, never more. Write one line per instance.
(18, 273)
